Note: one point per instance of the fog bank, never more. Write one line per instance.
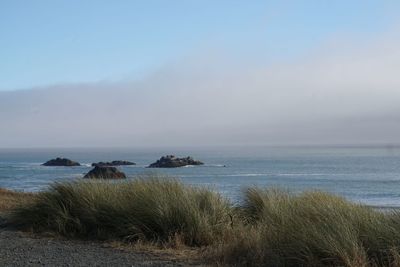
(341, 94)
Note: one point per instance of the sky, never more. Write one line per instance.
(180, 73)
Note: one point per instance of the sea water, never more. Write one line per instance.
(369, 175)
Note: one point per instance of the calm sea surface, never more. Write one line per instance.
(366, 175)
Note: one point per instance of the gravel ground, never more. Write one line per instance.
(20, 249)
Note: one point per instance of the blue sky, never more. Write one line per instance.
(55, 42)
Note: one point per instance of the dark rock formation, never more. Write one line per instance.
(61, 162)
(170, 161)
(113, 163)
(105, 172)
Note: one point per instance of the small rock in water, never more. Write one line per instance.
(113, 163)
(170, 161)
(61, 162)
(105, 172)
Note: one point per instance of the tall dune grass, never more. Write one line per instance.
(310, 229)
(9, 199)
(269, 228)
(153, 210)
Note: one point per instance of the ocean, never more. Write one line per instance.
(368, 175)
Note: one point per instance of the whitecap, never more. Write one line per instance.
(86, 164)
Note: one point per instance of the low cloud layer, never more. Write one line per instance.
(342, 94)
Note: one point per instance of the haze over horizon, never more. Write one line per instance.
(183, 74)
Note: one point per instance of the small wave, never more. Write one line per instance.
(134, 166)
(272, 174)
(86, 164)
(215, 165)
(32, 163)
(300, 174)
(243, 175)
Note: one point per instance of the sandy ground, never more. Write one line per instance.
(25, 249)
(21, 249)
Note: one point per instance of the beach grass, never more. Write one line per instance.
(10, 199)
(269, 227)
(155, 210)
(309, 229)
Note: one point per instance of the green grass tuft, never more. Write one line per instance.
(152, 209)
(310, 229)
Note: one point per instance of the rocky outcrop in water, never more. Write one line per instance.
(170, 161)
(61, 162)
(113, 163)
(105, 172)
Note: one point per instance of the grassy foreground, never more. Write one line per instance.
(10, 199)
(270, 228)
